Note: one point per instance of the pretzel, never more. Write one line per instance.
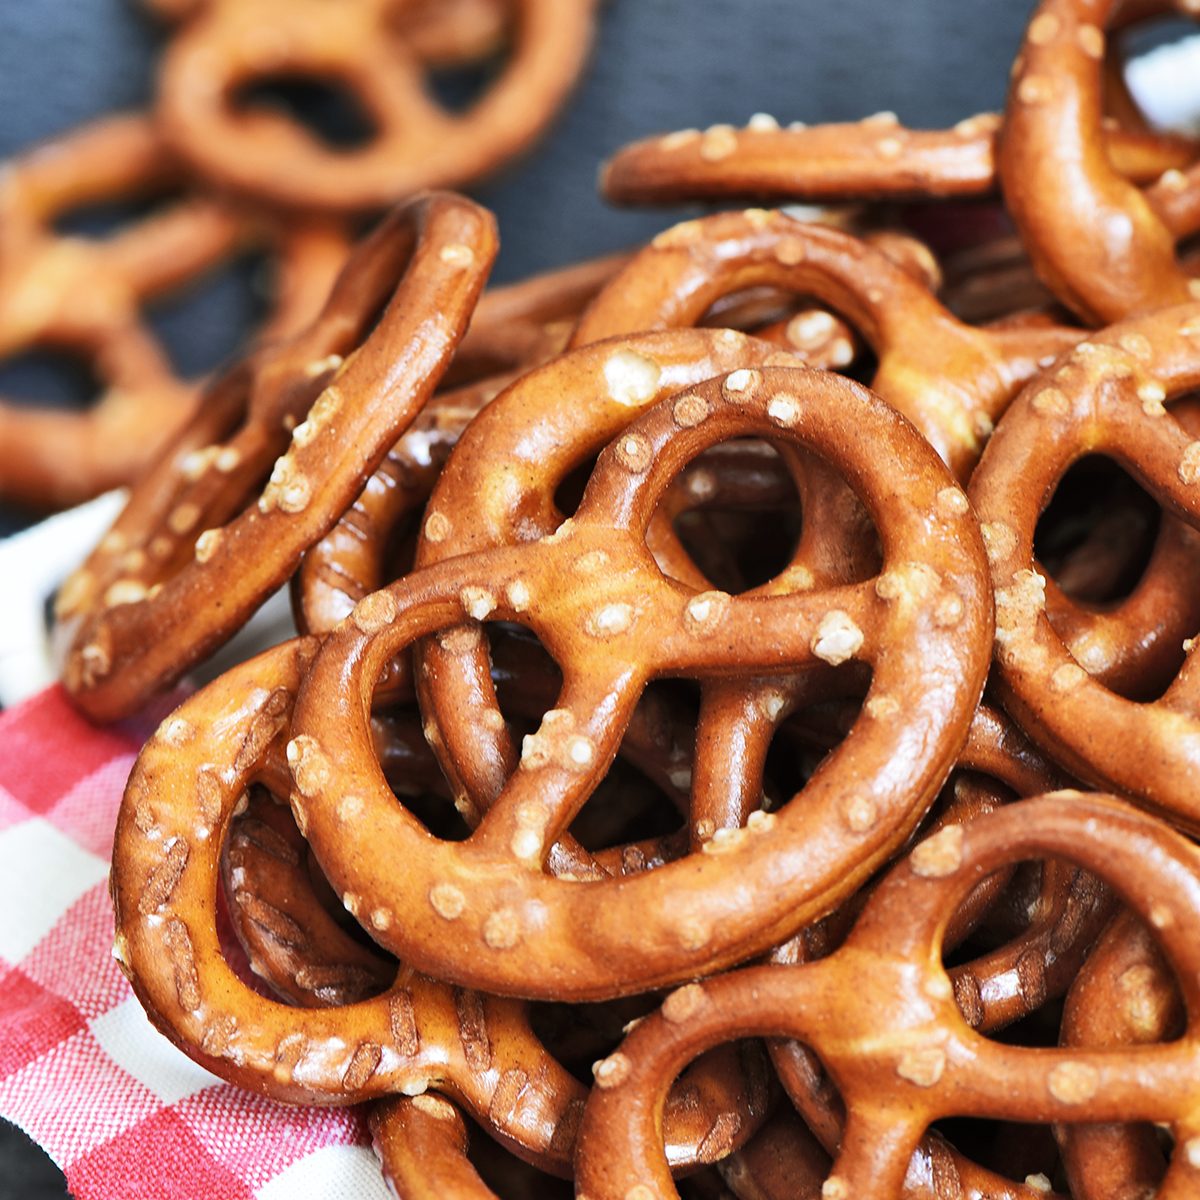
(876, 158)
(950, 380)
(1124, 996)
(1097, 242)
(529, 433)
(1106, 397)
(1058, 927)
(513, 328)
(183, 795)
(137, 614)
(630, 624)
(85, 296)
(229, 44)
(899, 1050)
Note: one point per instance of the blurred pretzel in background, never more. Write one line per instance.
(379, 50)
(85, 296)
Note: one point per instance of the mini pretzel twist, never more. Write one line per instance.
(876, 158)
(950, 380)
(609, 638)
(181, 797)
(228, 44)
(365, 1030)
(1001, 986)
(1096, 240)
(137, 613)
(512, 329)
(899, 1051)
(1107, 397)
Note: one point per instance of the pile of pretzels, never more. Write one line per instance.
(231, 165)
(744, 718)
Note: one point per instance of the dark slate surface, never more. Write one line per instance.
(661, 64)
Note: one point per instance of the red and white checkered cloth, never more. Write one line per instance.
(82, 1071)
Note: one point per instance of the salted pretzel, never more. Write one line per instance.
(1100, 244)
(528, 435)
(950, 380)
(900, 1052)
(876, 158)
(182, 794)
(86, 296)
(393, 1032)
(324, 406)
(512, 329)
(609, 638)
(226, 45)
(1060, 924)
(1124, 996)
(1106, 397)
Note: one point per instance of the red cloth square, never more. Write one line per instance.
(35, 1020)
(158, 1159)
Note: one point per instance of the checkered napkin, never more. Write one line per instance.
(82, 1071)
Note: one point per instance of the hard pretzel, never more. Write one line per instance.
(137, 613)
(1101, 245)
(1124, 996)
(628, 624)
(1106, 397)
(86, 296)
(181, 796)
(1059, 926)
(529, 436)
(899, 1050)
(877, 158)
(512, 329)
(950, 380)
(229, 44)
(182, 799)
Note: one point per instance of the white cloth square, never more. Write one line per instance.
(126, 1035)
(42, 873)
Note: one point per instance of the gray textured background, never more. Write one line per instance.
(659, 65)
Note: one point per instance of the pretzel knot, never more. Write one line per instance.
(1108, 396)
(323, 406)
(229, 44)
(1105, 248)
(368, 1028)
(899, 1050)
(627, 625)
